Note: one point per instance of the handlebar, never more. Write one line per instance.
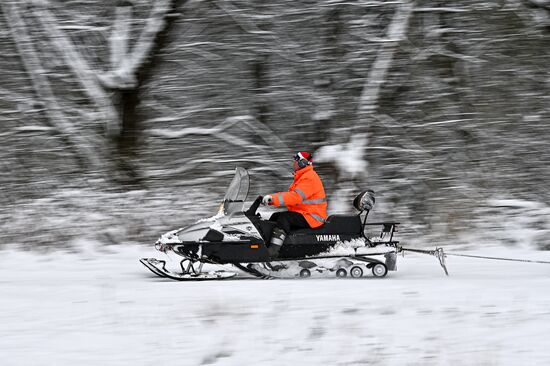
(254, 206)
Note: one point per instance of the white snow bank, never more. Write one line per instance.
(107, 309)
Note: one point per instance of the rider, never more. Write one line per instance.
(305, 200)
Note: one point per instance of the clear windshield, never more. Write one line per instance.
(237, 192)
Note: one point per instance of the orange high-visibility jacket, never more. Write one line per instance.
(306, 196)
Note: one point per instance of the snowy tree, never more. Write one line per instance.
(441, 106)
(103, 89)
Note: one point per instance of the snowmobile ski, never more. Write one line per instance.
(158, 267)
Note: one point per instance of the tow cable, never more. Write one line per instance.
(441, 255)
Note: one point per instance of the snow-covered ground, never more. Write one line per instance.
(104, 308)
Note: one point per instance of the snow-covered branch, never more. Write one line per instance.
(347, 157)
(370, 96)
(441, 10)
(120, 35)
(86, 76)
(247, 123)
(360, 4)
(124, 76)
(193, 163)
(42, 87)
(28, 129)
(176, 134)
(235, 14)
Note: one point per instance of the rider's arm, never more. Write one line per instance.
(294, 197)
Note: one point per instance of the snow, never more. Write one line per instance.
(356, 246)
(102, 307)
(351, 164)
(348, 158)
(170, 237)
(214, 218)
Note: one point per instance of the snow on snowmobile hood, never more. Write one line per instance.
(235, 223)
(230, 213)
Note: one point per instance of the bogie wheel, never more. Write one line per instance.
(356, 272)
(305, 273)
(341, 273)
(379, 270)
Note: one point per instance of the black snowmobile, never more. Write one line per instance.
(340, 247)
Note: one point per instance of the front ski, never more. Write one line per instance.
(158, 267)
(151, 265)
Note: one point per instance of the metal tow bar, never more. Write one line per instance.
(437, 252)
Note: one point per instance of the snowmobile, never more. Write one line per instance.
(341, 247)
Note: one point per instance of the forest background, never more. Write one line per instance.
(120, 120)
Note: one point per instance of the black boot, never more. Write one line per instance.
(277, 239)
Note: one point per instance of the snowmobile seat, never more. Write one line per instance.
(335, 224)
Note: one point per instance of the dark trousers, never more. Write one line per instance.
(289, 221)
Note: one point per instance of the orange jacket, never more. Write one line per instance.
(306, 196)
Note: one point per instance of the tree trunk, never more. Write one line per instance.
(260, 76)
(153, 40)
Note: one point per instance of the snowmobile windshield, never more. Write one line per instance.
(237, 192)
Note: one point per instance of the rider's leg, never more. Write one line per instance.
(286, 221)
(274, 217)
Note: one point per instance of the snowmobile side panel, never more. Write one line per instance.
(296, 251)
(236, 252)
(336, 224)
(319, 239)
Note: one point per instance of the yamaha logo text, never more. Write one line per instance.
(328, 237)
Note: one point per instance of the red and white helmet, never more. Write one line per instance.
(303, 158)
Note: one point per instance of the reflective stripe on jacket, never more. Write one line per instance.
(306, 196)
